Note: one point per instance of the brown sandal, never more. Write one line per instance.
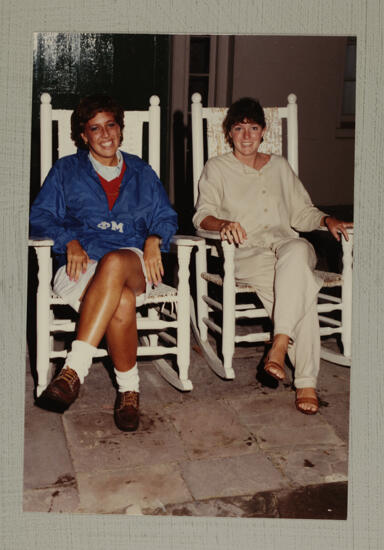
(307, 400)
(268, 363)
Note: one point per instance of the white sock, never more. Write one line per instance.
(80, 358)
(128, 380)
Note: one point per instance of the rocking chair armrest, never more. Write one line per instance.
(323, 228)
(181, 242)
(347, 246)
(40, 241)
(186, 240)
(214, 236)
(42, 246)
(228, 248)
(205, 234)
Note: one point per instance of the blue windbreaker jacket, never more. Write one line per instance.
(72, 204)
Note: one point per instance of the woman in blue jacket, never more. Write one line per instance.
(110, 219)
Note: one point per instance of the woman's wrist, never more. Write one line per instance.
(211, 223)
(324, 220)
(153, 239)
(73, 244)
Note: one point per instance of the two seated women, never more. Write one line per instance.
(105, 269)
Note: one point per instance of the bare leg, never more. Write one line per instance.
(109, 306)
(122, 332)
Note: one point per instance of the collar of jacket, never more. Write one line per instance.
(132, 162)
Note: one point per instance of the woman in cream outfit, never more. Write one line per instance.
(256, 201)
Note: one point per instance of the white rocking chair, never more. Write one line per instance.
(202, 321)
(171, 325)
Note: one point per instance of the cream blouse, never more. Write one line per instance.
(268, 203)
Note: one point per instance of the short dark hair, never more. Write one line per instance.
(88, 107)
(244, 109)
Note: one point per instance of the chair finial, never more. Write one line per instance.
(154, 100)
(292, 98)
(196, 97)
(45, 98)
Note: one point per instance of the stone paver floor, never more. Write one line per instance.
(227, 448)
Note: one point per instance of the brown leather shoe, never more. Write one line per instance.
(62, 391)
(126, 412)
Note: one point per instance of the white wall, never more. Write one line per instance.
(269, 68)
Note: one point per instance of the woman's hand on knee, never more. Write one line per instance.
(336, 226)
(77, 260)
(232, 232)
(152, 260)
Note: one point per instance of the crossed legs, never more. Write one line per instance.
(109, 306)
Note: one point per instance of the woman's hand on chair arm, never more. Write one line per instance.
(229, 230)
(152, 259)
(77, 260)
(336, 226)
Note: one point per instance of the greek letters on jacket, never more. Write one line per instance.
(72, 205)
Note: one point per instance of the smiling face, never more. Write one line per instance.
(246, 137)
(102, 135)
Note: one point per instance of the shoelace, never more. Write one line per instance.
(129, 398)
(68, 375)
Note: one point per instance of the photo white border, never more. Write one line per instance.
(362, 18)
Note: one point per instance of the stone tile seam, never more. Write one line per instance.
(93, 473)
(66, 435)
(189, 489)
(279, 468)
(56, 485)
(241, 422)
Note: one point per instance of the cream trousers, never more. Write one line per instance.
(287, 285)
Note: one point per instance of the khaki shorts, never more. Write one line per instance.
(71, 291)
